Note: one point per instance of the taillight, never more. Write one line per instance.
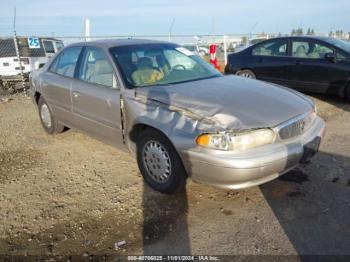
(25, 61)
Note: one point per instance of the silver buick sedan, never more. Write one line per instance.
(176, 114)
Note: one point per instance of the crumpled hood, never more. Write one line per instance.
(231, 102)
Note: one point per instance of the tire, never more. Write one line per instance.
(48, 121)
(159, 163)
(246, 73)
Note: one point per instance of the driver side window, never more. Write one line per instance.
(309, 49)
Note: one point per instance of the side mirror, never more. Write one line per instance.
(330, 57)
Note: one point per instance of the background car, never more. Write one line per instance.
(33, 52)
(197, 49)
(310, 64)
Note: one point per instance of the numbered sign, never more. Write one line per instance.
(33, 42)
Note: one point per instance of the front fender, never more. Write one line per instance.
(179, 129)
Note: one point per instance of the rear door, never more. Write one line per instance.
(96, 97)
(57, 83)
(309, 70)
(270, 60)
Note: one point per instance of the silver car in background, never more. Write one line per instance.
(176, 114)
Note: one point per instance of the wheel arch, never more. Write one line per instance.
(37, 96)
(136, 131)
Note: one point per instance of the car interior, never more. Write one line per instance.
(309, 50)
(150, 66)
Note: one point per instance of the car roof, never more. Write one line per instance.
(302, 37)
(108, 43)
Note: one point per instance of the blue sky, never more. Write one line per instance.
(116, 17)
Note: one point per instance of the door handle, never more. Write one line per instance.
(298, 62)
(76, 94)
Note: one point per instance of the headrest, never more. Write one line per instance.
(103, 67)
(301, 49)
(144, 62)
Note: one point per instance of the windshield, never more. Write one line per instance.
(340, 44)
(160, 64)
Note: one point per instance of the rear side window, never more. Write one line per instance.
(66, 62)
(271, 48)
(48, 46)
(59, 45)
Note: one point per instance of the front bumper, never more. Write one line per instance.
(234, 170)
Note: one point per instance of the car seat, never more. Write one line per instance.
(103, 73)
(300, 52)
(145, 73)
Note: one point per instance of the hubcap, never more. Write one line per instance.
(45, 115)
(157, 161)
(245, 74)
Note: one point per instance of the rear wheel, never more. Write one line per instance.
(48, 121)
(246, 73)
(347, 93)
(159, 163)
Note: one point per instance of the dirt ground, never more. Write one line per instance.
(72, 195)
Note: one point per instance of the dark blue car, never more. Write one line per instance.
(307, 63)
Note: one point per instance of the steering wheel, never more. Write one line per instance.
(181, 67)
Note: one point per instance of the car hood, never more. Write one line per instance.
(230, 102)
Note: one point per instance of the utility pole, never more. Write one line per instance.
(251, 31)
(18, 53)
(87, 29)
(171, 29)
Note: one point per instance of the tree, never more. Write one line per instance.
(299, 31)
(293, 32)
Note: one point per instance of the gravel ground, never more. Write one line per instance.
(72, 195)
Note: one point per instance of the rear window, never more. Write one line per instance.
(7, 48)
(25, 51)
(49, 48)
(59, 45)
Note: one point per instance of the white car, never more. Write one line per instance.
(34, 53)
(198, 50)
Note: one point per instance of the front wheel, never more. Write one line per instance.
(159, 163)
(246, 73)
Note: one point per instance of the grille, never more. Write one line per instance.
(297, 127)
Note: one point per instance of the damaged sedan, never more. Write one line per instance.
(176, 114)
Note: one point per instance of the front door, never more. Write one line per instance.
(308, 69)
(96, 98)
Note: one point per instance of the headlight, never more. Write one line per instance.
(237, 141)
